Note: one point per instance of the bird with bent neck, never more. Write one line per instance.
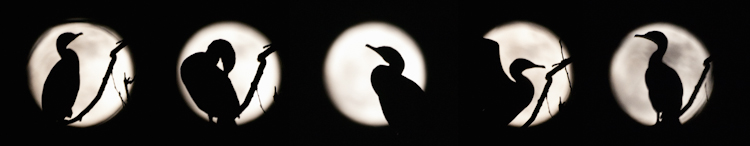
(663, 83)
(210, 87)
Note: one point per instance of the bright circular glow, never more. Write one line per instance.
(540, 46)
(350, 63)
(248, 44)
(93, 49)
(685, 54)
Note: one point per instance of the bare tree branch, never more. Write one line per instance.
(534, 114)
(258, 74)
(113, 55)
(698, 86)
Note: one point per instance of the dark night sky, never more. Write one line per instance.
(304, 31)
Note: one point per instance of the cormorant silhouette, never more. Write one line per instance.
(62, 84)
(663, 83)
(503, 105)
(401, 99)
(209, 86)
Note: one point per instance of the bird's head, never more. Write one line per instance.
(390, 55)
(64, 39)
(520, 64)
(222, 49)
(655, 36)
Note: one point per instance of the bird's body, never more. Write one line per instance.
(665, 89)
(663, 83)
(210, 87)
(62, 84)
(61, 87)
(400, 98)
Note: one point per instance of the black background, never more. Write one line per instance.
(303, 31)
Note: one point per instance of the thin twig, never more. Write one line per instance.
(118, 90)
(260, 103)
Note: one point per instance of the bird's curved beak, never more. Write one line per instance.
(368, 45)
(77, 35)
(644, 36)
(542, 66)
(373, 49)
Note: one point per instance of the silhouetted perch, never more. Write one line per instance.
(707, 64)
(258, 74)
(113, 55)
(552, 72)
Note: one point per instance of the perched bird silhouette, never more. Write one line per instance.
(401, 99)
(62, 84)
(502, 98)
(209, 86)
(663, 83)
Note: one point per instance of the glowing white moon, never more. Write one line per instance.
(350, 63)
(685, 54)
(93, 48)
(540, 46)
(248, 44)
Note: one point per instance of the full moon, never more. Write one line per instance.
(349, 64)
(93, 49)
(540, 46)
(248, 44)
(685, 54)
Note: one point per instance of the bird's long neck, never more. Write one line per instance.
(521, 80)
(396, 65)
(657, 57)
(61, 50)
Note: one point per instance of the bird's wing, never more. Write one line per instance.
(482, 65)
(652, 85)
(498, 96)
(494, 67)
(200, 87)
(227, 97)
(675, 97)
(494, 51)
